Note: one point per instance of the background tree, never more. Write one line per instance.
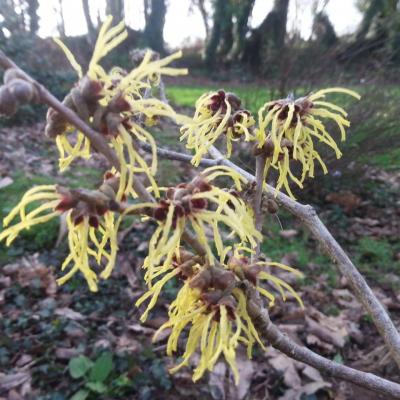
(242, 14)
(89, 23)
(324, 31)
(60, 18)
(116, 9)
(269, 38)
(201, 5)
(32, 8)
(155, 11)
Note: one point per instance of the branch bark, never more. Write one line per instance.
(98, 141)
(261, 319)
(331, 247)
(257, 200)
(281, 342)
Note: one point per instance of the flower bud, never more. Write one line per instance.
(66, 204)
(233, 100)
(91, 90)
(113, 122)
(229, 302)
(202, 280)
(23, 91)
(8, 103)
(11, 74)
(222, 279)
(118, 104)
(56, 124)
(251, 273)
(272, 206)
(213, 297)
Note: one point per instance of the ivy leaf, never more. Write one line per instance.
(97, 387)
(81, 395)
(78, 366)
(102, 368)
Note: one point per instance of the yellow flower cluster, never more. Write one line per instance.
(115, 104)
(217, 114)
(200, 205)
(92, 233)
(214, 308)
(287, 130)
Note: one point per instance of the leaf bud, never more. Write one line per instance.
(8, 103)
(272, 206)
(12, 73)
(202, 280)
(23, 91)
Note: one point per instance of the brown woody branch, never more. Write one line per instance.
(331, 247)
(308, 216)
(281, 342)
(257, 200)
(97, 140)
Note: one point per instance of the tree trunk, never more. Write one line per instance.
(89, 23)
(61, 20)
(200, 4)
(155, 21)
(324, 31)
(222, 11)
(268, 40)
(33, 6)
(374, 8)
(242, 13)
(226, 24)
(116, 9)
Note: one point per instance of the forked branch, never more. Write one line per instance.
(331, 247)
(308, 216)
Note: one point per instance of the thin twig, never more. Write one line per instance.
(331, 247)
(174, 155)
(97, 140)
(257, 200)
(281, 342)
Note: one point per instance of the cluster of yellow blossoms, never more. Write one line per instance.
(211, 304)
(287, 130)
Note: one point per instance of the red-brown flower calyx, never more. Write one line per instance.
(218, 101)
(301, 107)
(216, 285)
(181, 198)
(16, 91)
(244, 269)
(268, 148)
(89, 203)
(186, 263)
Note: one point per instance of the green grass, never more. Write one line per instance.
(38, 237)
(375, 258)
(374, 132)
(252, 97)
(43, 236)
(302, 246)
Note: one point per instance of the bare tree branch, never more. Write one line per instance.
(281, 342)
(310, 219)
(260, 316)
(332, 248)
(98, 141)
(257, 201)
